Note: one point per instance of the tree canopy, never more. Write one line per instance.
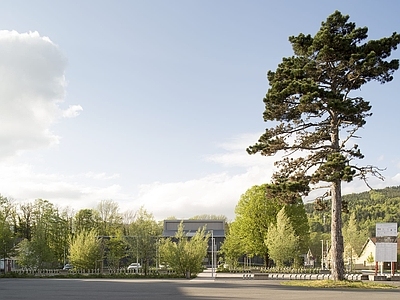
(256, 210)
(183, 254)
(282, 242)
(314, 113)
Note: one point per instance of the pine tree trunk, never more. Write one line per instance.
(336, 251)
(337, 248)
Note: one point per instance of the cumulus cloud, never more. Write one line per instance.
(219, 194)
(23, 183)
(72, 111)
(216, 194)
(32, 85)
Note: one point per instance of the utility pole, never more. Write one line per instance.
(322, 255)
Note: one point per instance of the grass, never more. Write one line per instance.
(338, 284)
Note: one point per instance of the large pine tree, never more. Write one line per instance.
(311, 98)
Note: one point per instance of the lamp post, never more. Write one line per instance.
(212, 253)
(322, 255)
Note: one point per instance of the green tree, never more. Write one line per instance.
(45, 233)
(209, 217)
(85, 249)
(145, 232)
(256, 210)
(183, 254)
(310, 96)
(86, 219)
(25, 255)
(7, 237)
(231, 249)
(282, 242)
(23, 223)
(110, 218)
(116, 250)
(254, 213)
(354, 239)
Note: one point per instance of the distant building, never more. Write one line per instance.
(367, 255)
(216, 229)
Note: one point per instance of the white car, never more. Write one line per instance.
(68, 267)
(134, 266)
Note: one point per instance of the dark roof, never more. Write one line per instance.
(214, 227)
(171, 233)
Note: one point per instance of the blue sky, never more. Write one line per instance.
(153, 103)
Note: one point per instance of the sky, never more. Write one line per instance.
(153, 103)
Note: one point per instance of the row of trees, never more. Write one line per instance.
(44, 236)
(265, 226)
(41, 235)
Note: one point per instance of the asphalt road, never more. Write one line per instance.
(143, 289)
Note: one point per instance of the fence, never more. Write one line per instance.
(120, 271)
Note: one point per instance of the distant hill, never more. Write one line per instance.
(370, 207)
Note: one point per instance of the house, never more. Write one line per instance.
(366, 259)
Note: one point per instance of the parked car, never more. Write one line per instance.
(134, 267)
(68, 267)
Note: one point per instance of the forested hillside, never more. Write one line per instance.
(369, 208)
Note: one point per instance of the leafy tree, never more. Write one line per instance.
(183, 254)
(256, 211)
(116, 247)
(86, 219)
(110, 218)
(23, 223)
(316, 240)
(282, 242)
(44, 234)
(310, 96)
(7, 237)
(370, 258)
(25, 255)
(209, 217)
(145, 233)
(231, 248)
(85, 249)
(354, 239)
(299, 222)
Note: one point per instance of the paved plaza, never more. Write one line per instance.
(197, 289)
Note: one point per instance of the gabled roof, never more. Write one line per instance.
(373, 240)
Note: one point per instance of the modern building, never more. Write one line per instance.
(216, 229)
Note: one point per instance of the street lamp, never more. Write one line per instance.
(322, 256)
(212, 253)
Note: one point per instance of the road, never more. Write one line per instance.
(146, 289)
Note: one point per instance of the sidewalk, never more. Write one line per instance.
(207, 274)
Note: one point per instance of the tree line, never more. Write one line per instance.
(41, 235)
(282, 232)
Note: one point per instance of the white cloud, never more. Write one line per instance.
(32, 84)
(72, 111)
(212, 194)
(216, 194)
(101, 176)
(22, 183)
(219, 193)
